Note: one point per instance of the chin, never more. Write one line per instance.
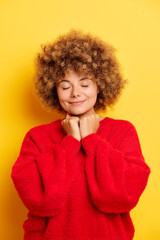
(78, 113)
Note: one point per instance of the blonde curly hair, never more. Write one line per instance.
(86, 55)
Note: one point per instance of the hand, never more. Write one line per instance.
(89, 124)
(71, 126)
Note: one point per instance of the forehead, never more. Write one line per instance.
(72, 76)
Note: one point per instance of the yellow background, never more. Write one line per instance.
(133, 27)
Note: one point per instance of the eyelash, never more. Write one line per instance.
(81, 86)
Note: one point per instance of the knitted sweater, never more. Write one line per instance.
(80, 190)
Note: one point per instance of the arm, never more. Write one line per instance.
(116, 176)
(42, 179)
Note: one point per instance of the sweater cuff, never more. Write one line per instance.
(70, 144)
(90, 142)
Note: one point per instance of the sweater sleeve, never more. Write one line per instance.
(116, 176)
(42, 179)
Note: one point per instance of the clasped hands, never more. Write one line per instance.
(80, 127)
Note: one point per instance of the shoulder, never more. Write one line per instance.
(43, 129)
(44, 135)
(117, 128)
(121, 124)
(120, 132)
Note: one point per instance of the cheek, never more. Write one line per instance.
(61, 95)
(92, 93)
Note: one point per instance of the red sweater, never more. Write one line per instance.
(80, 190)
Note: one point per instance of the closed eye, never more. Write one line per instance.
(65, 88)
(81, 86)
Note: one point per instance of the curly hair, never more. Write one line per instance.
(85, 54)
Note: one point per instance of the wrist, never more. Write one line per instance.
(76, 137)
(86, 134)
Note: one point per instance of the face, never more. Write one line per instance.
(77, 94)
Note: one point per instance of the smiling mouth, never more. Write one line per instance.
(77, 103)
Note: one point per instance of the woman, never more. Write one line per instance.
(80, 176)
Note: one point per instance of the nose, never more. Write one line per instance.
(75, 91)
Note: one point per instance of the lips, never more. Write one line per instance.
(77, 103)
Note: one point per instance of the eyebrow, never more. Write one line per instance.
(65, 80)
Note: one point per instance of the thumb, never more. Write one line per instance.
(69, 115)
